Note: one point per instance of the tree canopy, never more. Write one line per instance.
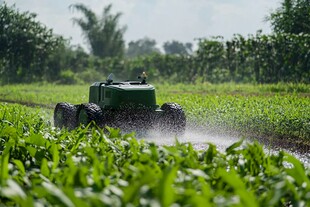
(176, 47)
(103, 33)
(141, 47)
(25, 45)
(293, 16)
(30, 52)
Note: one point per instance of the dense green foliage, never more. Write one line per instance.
(25, 48)
(293, 16)
(256, 59)
(41, 165)
(177, 48)
(142, 47)
(261, 59)
(30, 53)
(102, 33)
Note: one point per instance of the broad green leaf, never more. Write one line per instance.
(297, 171)
(13, 191)
(10, 132)
(57, 193)
(165, 188)
(4, 163)
(4, 168)
(113, 132)
(38, 140)
(20, 166)
(32, 151)
(232, 179)
(210, 153)
(232, 147)
(55, 155)
(44, 168)
(148, 176)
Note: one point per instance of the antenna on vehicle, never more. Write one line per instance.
(143, 76)
(110, 78)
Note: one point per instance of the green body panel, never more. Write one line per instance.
(116, 95)
(94, 93)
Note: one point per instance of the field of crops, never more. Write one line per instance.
(279, 111)
(43, 165)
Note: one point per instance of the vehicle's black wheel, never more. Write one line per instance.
(173, 120)
(65, 115)
(89, 112)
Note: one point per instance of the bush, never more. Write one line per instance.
(68, 77)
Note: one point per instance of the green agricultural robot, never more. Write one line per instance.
(128, 105)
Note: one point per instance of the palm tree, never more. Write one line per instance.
(103, 34)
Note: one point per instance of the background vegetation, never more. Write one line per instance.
(30, 52)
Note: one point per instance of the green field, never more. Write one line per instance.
(280, 111)
(43, 165)
(51, 94)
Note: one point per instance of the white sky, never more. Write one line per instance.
(162, 20)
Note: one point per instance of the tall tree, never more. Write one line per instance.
(103, 34)
(176, 47)
(141, 47)
(26, 45)
(293, 16)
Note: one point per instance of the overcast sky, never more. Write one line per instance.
(162, 20)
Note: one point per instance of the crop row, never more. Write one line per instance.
(41, 165)
(51, 94)
(280, 111)
(275, 116)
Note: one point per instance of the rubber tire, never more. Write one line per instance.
(174, 119)
(65, 115)
(88, 112)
